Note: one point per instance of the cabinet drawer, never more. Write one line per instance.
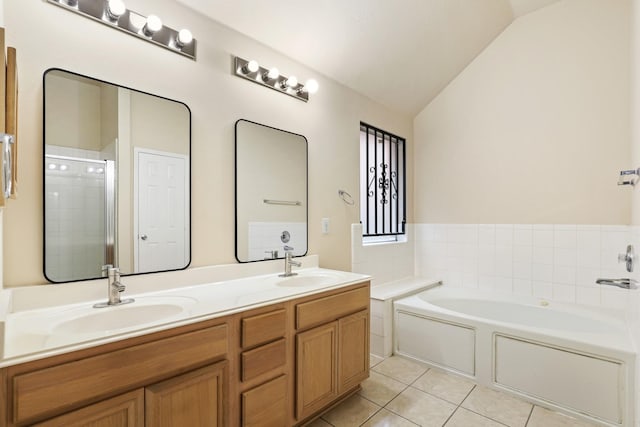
(263, 328)
(266, 405)
(126, 410)
(263, 359)
(329, 308)
(37, 395)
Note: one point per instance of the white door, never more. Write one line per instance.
(162, 217)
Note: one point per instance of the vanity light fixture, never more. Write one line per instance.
(184, 38)
(271, 78)
(311, 86)
(272, 74)
(115, 14)
(115, 9)
(152, 25)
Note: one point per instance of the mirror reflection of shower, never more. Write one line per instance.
(80, 218)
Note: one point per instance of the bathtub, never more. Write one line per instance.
(566, 357)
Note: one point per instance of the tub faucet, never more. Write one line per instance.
(621, 283)
(114, 287)
(288, 262)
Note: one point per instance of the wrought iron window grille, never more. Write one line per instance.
(383, 178)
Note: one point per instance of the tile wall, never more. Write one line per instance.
(557, 262)
(383, 261)
(264, 237)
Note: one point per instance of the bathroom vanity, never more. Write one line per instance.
(265, 364)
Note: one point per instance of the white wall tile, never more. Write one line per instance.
(471, 234)
(612, 297)
(588, 296)
(564, 293)
(523, 253)
(522, 287)
(542, 290)
(523, 235)
(542, 237)
(586, 277)
(522, 270)
(565, 256)
(542, 272)
(564, 275)
(470, 280)
(565, 236)
(503, 285)
(486, 282)
(542, 255)
(504, 235)
(486, 234)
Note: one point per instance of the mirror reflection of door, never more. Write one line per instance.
(91, 219)
(161, 211)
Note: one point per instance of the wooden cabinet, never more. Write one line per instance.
(192, 399)
(90, 383)
(266, 405)
(331, 359)
(278, 365)
(264, 365)
(126, 410)
(353, 350)
(316, 369)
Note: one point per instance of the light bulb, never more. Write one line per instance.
(115, 9)
(90, 169)
(251, 67)
(100, 170)
(63, 167)
(272, 74)
(153, 25)
(184, 38)
(292, 82)
(311, 86)
(52, 166)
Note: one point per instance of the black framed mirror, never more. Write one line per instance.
(117, 181)
(271, 192)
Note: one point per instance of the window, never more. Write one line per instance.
(382, 185)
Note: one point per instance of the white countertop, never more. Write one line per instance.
(36, 330)
(402, 287)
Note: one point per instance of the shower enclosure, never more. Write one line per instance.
(80, 217)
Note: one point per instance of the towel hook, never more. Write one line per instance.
(346, 197)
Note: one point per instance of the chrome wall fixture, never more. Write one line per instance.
(629, 177)
(271, 78)
(150, 28)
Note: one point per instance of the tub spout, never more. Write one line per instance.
(621, 283)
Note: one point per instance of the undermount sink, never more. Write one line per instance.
(307, 280)
(140, 312)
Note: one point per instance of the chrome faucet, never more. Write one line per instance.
(621, 283)
(114, 287)
(288, 262)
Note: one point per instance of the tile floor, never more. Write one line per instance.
(402, 393)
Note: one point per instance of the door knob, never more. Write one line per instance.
(143, 236)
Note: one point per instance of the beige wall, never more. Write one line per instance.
(73, 101)
(48, 36)
(536, 128)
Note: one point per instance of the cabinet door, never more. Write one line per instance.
(353, 350)
(316, 369)
(126, 410)
(266, 405)
(191, 399)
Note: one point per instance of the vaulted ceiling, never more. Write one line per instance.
(400, 53)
